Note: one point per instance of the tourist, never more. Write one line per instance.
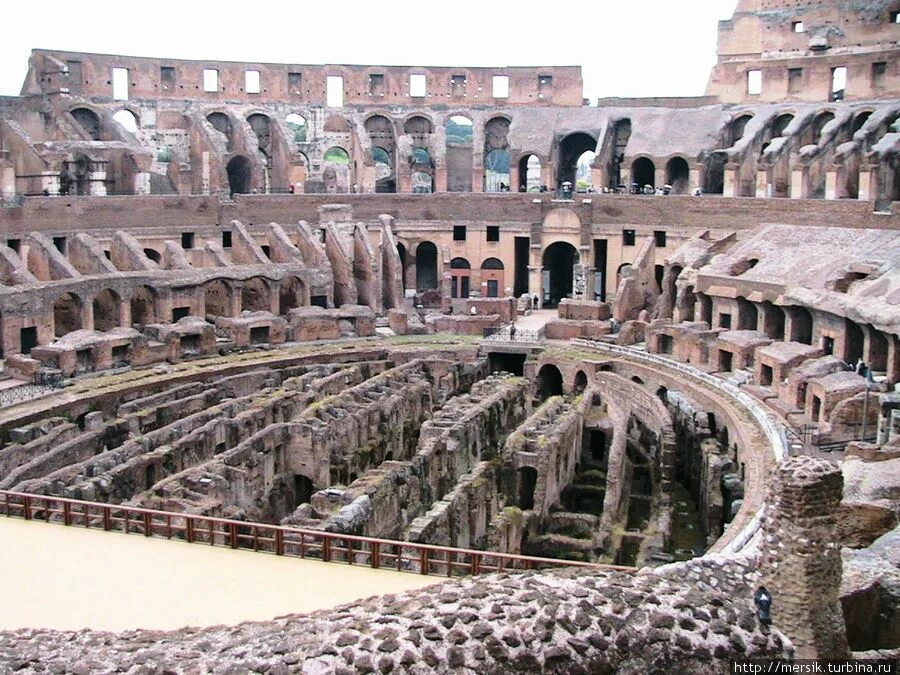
(473, 311)
(697, 192)
(536, 301)
(763, 600)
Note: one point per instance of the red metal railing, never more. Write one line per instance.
(402, 556)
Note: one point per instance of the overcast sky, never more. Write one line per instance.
(648, 48)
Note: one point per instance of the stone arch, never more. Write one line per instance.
(492, 277)
(255, 295)
(853, 342)
(818, 124)
(381, 134)
(559, 261)
(736, 129)
(336, 169)
(217, 296)
(337, 125)
(459, 133)
(426, 266)
(299, 127)
(580, 383)
(530, 173)
(107, 310)
(550, 382)
(747, 314)
(291, 294)
(705, 303)
(572, 149)
(67, 310)
(153, 255)
(678, 175)
(773, 320)
(460, 271)
(780, 124)
(643, 172)
(496, 155)
(801, 325)
(127, 120)
(418, 126)
(143, 306)
(240, 174)
(221, 122)
(262, 129)
(88, 120)
(422, 171)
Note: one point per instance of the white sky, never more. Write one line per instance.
(647, 48)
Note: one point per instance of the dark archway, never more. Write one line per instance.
(550, 382)
(303, 490)
(460, 271)
(773, 321)
(748, 315)
(736, 129)
(106, 307)
(678, 175)
(291, 295)
(153, 255)
(255, 296)
(528, 477)
(66, 314)
(401, 251)
(801, 325)
(643, 172)
(581, 381)
(240, 174)
(89, 121)
(426, 266)
(853, 342)
(143, 306)
(571, 149)
(559, 262)
(222, 123)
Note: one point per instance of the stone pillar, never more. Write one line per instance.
(866, 185)
(98, 178)
(800, 560)
(275, 297)
(8, 182)
(535, 281)
(695, 180)
(125, 313)
(731, 186)
(763, 186)
(831, 183)
(87, 314)
(800, 183)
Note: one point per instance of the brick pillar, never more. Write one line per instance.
(800, 561)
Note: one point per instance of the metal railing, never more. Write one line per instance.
(509, 333)
(775, 433)
(26, 392)
(402, 556)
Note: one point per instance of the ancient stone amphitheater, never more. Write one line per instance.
(605, 369)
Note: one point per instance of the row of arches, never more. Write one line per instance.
(144, 307)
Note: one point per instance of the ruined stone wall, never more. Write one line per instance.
(461, 433)
(693, 617)
(800, 559)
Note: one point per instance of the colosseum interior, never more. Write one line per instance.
(606, 366)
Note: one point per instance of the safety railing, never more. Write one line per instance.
(24, 392)
(509, 333)
(775, 433)
(402, 556)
